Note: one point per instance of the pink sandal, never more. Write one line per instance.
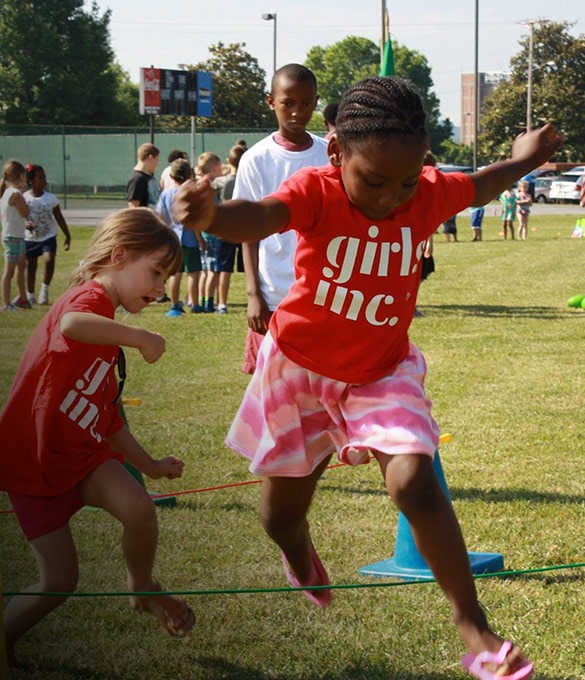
(318, 577)
(474, 664)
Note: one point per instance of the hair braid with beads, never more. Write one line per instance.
(379, 108)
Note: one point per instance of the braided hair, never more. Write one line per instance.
(379, 108)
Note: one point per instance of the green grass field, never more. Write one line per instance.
(506, 379)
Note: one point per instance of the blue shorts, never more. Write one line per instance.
(38, 248)
(14, 249)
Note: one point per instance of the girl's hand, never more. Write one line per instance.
(194, 205)
(152, 347)
(67, 242)
(169, 467)
(537, 145)
(258, 314)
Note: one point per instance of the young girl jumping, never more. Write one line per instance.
(336, 371)
(13, 214)
(63, 438)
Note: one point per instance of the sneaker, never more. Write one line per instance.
(176, 310)
(163, 298)
(44, 295)
(31, 298)
(10, 308)
(221, 309)
(197, 309)
(21, 303)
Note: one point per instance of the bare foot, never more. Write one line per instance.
(173, 613)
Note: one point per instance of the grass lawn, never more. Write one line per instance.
(505, 378)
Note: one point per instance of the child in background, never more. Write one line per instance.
(268, 265)
(523, 203)
(192, 242)
(13, 214)
(508, 201)
(476, 223)
(450, 229)
(64, 441)
(209, 164)
(41, 236)
(336, 372)
(166, 180)
(227, 251)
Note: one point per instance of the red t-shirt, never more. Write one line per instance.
(347, 313)
(60, 408)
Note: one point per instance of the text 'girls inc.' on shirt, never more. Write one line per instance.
(352, 301)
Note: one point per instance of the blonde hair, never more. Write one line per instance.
(236, 152)
(11, 171)
(206, 162)
(140, 231)
(145, 150)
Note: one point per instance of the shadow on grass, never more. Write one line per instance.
(216, 668)
(502, 311)
(475, 494)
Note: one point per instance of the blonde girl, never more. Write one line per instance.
(13, 214)
(63, 438)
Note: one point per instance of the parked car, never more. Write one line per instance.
(444, 167)
(563, 188)
(542, 189)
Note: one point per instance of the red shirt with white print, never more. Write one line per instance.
(347, 314)
(61, 406)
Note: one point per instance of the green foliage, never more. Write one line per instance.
(558, 95)
(57, 66)
(239, 89)
(351, 59)
(457, 154)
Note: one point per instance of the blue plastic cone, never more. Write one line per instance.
(409, 565)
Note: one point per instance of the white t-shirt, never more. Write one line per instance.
(41, 215)
(13, 223)
(261, 171)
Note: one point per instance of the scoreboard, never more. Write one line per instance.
(169, 92)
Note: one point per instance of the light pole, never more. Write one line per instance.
(531, 25)
(272, 17)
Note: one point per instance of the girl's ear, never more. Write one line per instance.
(118, 255)
(334, 151)
(270, 102)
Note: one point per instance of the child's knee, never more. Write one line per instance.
(63, 581)
(140, 511)
(413, 484)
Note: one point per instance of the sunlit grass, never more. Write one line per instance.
(506, 378)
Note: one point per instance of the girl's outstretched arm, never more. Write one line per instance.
(93, 329)
(529, 150)
(236, 220)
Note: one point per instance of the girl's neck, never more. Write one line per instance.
(106, 283)
(37, 193)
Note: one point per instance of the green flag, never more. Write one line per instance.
(387, 65)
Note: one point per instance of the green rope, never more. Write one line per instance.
(247, 591)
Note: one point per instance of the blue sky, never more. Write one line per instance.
(149, 32)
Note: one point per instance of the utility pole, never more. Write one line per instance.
(531, 23)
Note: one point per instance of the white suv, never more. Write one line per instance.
(563, 188)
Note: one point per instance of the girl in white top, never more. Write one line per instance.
(41, 237)
(13, 214)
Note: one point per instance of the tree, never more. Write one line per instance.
(239, 89)
(558, 95)
(351, 59)
(57, 66)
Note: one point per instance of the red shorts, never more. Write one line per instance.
(40, 515)
(253, 342)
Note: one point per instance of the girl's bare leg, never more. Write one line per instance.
(58, 573)
(284, 505)
(413, 485)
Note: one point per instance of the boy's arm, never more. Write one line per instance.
(93, 329)
(234, 221)
(529, 150)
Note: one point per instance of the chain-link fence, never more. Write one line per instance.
(86, 165)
